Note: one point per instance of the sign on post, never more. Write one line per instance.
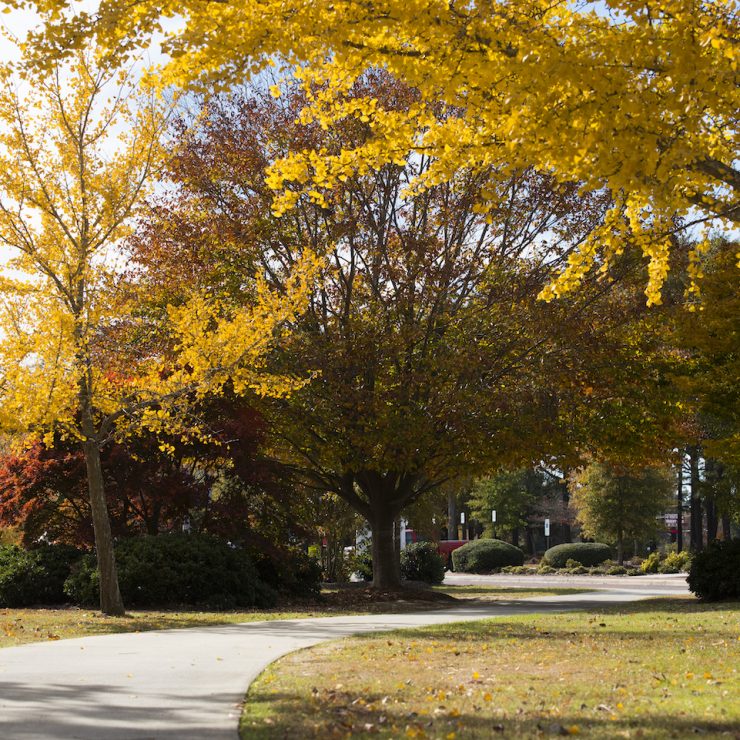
(493, 516)
(547, 527)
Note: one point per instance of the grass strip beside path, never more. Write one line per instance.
(19, 626)
(664, 668)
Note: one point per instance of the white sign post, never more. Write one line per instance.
(547, 532)
(493, 519)
(462, 525)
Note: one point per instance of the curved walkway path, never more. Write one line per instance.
(189, 684)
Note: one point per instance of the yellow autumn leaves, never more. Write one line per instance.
(78, 152)
(633, 98)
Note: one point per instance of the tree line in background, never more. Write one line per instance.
(184, 351)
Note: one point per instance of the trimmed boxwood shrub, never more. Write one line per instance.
(585, 553)
(420, 561)
(33, 577)
(173, 570)
(483, 556)
(715, 573)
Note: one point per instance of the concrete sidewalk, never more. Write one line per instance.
(188, 684)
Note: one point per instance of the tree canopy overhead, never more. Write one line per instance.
(633, 97)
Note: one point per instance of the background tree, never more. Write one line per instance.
(635, 98)
(614, 502)
(77, 152)
(43, 491)
(519, 497)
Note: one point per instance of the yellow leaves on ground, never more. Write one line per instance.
(540, 676)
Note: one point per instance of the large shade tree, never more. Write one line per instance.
(431, 351)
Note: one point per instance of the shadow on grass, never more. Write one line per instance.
(288, 715)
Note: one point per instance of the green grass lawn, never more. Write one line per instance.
(665, 668)
(18, 626)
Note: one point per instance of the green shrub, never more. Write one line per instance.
(715, 573)
(170, 570)
(570, 563)
(544, 569)
(518, 570)
(483, 556)
(578, 570)
(361, 563)
(291, 572)
(420, 561)
(616, 570)
(32, 577)
(584, 553)
(675, 562)
(651, 563)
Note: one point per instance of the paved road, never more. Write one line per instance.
(188, 684)
(659, 584)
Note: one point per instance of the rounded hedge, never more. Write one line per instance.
(34, 577)
(173, 570)
(715, 572)
(420, 561)
(483, 556)
(585, 553)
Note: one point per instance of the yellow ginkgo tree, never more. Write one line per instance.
(636, 98)
(79, 150)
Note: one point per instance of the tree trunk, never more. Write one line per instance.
(111, 602)
(567, 533)
(515, 536)
(451, 517)
(712, 522)
(386, 568)
(679, 507)
(726, 527)
(620, 547)
(697, 519)
(531, 544)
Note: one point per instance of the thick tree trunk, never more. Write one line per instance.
(620, 547)
(386, 568)
(111, 602)
(515, 536)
